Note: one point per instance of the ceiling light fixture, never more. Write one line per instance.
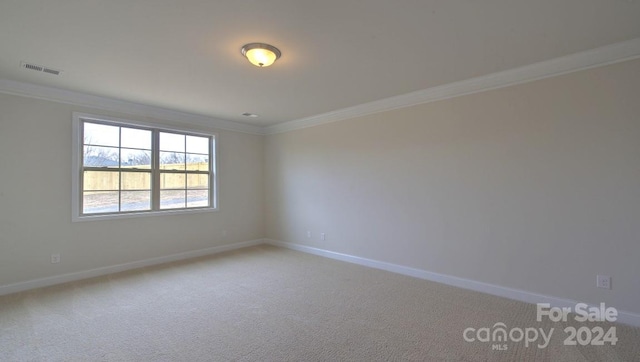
(260, 54)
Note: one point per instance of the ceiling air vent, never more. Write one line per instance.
(40, 68)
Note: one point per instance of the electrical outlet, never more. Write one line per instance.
(322, 236)
(603, 281)
(308, 234)
(55, 258)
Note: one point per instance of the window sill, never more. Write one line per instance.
(134, 215)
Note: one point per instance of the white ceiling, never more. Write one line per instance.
(185, 55)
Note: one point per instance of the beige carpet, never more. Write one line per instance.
(270, 304)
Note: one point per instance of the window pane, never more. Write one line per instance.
(135, 158)
(171, 161)
(171, 142)
(95, 156)
(136, 180)
(173, 199)
(197, 162)
(135, 200)
(197, 198)
(197, 181)
(101, 180)
(102, 135)
(198, 144)
(136, 138)
(137, 168)
(98, 202)
(172, 181)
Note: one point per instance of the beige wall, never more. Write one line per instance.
(534, 187)
(35, 214)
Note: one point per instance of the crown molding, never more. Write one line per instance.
(114, 105)
(597, 57)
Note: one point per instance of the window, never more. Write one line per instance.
(124, 168)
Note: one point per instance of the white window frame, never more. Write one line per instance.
(77, 169)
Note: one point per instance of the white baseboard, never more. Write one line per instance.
(70, 277)
(516, 294)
